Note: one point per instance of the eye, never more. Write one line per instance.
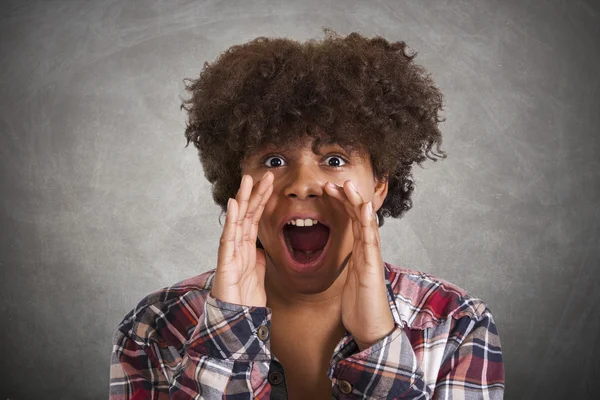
(273, 162)
(335, 161)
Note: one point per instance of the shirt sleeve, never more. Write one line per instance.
(472, 366)
(388, 369)
(217, 358)
(232, 345)
(134, 374)
(232, 332)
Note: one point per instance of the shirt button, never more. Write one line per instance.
(275, 378)
(345, 386)
(263, 332)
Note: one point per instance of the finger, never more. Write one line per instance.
(339, 193)
(227, 242)
(353, 195)
(242, 197)
(370, 234)
(356, 229)
(258, 214)
(372, 220)
(358, 203)
(261, 189)
(375, 222)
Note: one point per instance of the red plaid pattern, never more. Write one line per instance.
(182, 343)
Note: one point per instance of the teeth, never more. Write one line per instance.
(303, 222)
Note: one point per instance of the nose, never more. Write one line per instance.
(304, 182)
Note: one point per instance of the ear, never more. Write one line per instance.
(380, 192)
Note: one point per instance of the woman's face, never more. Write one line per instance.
(299, 191)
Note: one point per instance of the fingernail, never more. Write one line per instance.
(352, 186)
(263, 177)
(332, 185)
(228, 204)
(370, 208)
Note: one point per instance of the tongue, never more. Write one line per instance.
(308, 238)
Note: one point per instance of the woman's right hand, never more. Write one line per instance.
(240, 275)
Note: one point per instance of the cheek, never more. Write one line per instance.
(269, 210)
(347, 231)
(343, 225)
(269, 224)
(367, 192)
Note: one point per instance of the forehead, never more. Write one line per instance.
(313, 144)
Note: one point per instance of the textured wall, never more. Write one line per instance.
(102, 204)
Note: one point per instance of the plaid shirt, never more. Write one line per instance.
(182, 343)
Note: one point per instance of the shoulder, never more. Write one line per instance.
(169, 315)
(425, 301)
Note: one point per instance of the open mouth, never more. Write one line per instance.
(305, 245)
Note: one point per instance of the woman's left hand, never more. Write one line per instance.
(365, 308)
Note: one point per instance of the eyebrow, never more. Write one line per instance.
(316, 146)
(352, 151)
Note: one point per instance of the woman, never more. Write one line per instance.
(308, 147)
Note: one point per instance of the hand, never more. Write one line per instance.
(240, 274)
(365, 309)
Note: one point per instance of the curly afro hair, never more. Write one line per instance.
(357, 92)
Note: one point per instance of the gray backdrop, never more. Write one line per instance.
(102, 204)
